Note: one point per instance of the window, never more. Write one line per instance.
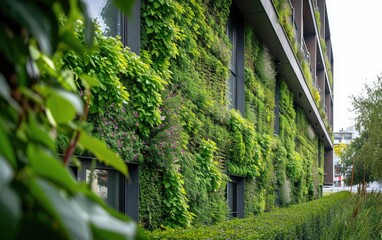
(107, 16)
(106, 184)
(114, 23)
(118, 192)
(348, 136)
(232, 80)
(235, 196)
(337, 136)
(235, 82)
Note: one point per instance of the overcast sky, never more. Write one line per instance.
(356, 33)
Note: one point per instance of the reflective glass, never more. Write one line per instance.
(106, 14)
(105, 183)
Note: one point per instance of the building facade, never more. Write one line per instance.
(245, 111)
(344, 137)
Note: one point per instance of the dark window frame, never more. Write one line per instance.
(237, 67)
(128, 190)
(129, 27)
(235, 196)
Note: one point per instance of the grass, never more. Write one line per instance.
(359, 217)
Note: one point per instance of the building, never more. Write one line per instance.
(342, 137)
(271, 61)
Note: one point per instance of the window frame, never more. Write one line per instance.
(236, 206)
(236, 69)
(128, 188)
(130, 27)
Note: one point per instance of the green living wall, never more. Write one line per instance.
(168, 111)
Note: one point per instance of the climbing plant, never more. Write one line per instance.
(39, 198)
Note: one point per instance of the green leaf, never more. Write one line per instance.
(64, 105)
(68, 77)
(89, 80)
(6, 148)
(100, 219)
(10, 212)
(36, 21)
(102, 153)
(70, 216)
(47, 166)
(124, 5)
(156, 5)
(72, 42)
(166, 183)
(40, 134)
(5, 92)
(6, 172)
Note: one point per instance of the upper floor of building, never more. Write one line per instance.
(298, 36)
(296, 32)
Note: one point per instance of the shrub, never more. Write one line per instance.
(304, 221)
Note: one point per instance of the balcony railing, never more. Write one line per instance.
(315, 4)
(316, 82)
(305, 51)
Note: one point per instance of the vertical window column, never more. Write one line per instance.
(235, 196)
(235, 83)
(131, 192)
(232, 80)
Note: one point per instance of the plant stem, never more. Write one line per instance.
(73, 142)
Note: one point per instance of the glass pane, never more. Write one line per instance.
(105, 183)
(232, 198)
(231, 33)
(337, 136)
(106, 14)
(231, 93)
(348, 136)
(74, 171)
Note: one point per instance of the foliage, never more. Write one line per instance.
(39, 197)
(358, 217)
(285, 15)
(209, 168)
(285, 12)
(103, 64)
(355, 167)
(193, 58)
(175, 203)
(160, 33)
(116, 127)
(298, 171)
(306, 221)
(151, 198)
(367, 149)
(339, 148)
(245, 157)
(121, 74)
(184, 136)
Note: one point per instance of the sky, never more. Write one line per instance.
(356, 33)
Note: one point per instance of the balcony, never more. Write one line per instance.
(263, 16)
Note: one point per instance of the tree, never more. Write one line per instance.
(368, 108)
(354, 164)
(339, 148)
(39, 198)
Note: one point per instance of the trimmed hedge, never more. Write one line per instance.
(303, 221)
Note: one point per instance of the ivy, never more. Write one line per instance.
(121, 74)
(39, 197)
(175, 203)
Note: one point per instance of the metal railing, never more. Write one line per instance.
(305, 51)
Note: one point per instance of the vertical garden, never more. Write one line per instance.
(168, 111)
